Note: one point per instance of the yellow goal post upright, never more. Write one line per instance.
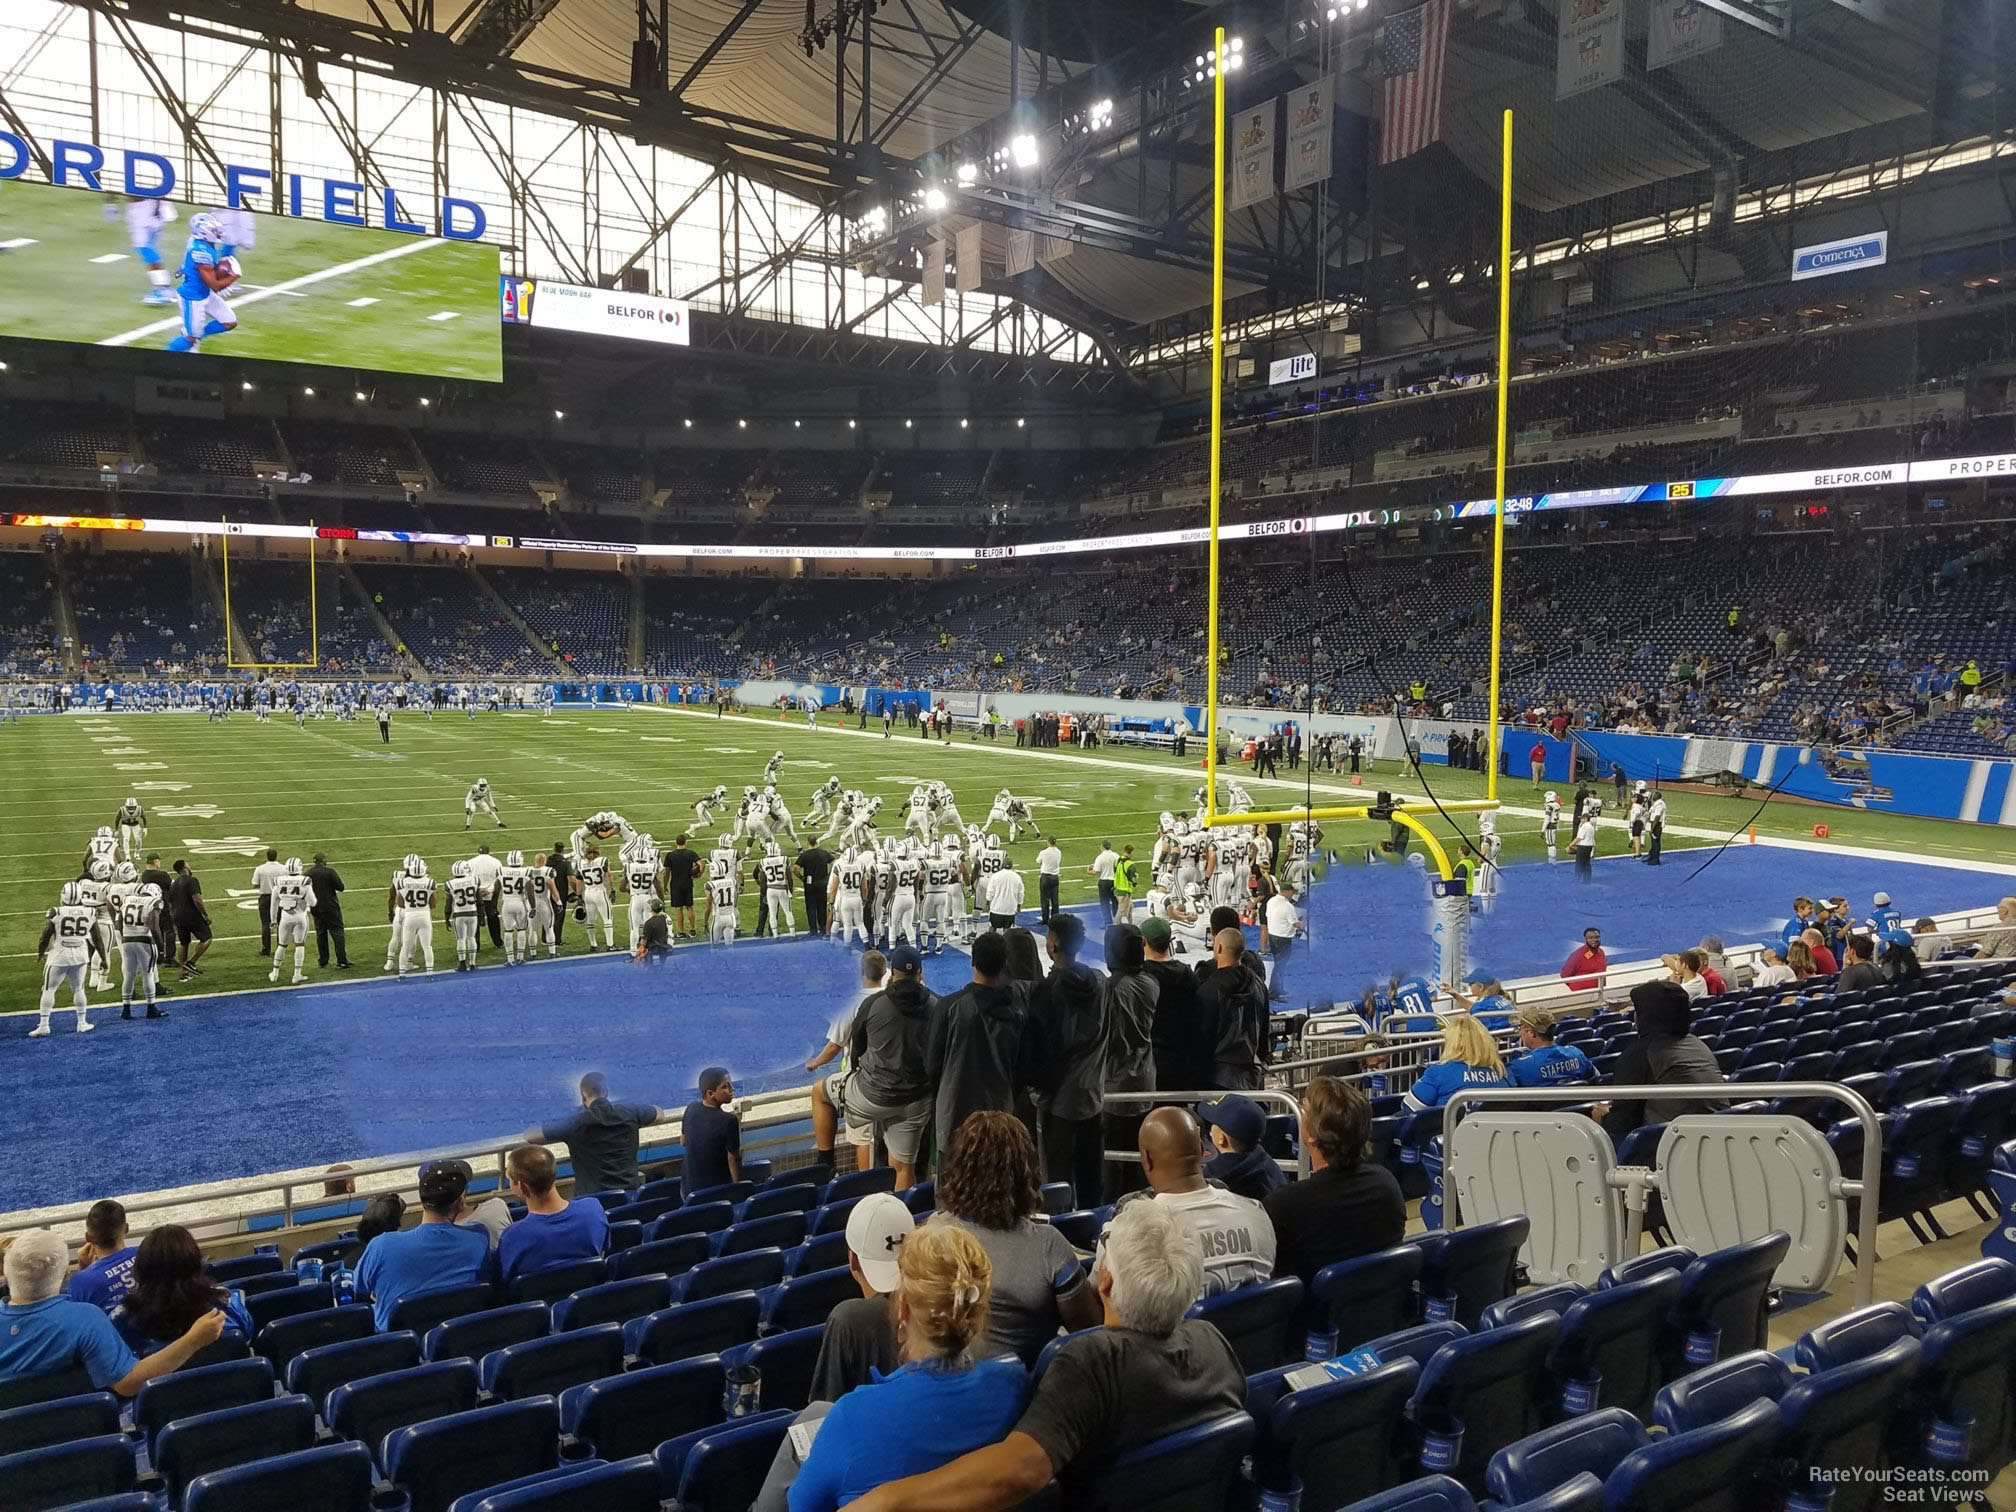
(314, 612)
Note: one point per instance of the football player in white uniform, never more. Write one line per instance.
(412, 907)
(1226, 878)
(779, 815)
(132, 822)
(69, 941)
(1550, 823)
(514, 908)
(1298, 848)
(599, 828)
(987, 863)
(703, 811)
(770, 769)
(139, 915)
(479, 797)
(544, 894)
(592, 874)
(941, 876)
(103, 846)
(460, 907)
(948, 807)
(724, 887)
(1489, 848)
(823, 798)
(292, 898)
(1011, 811)
(774, 872)
(918, 818)
(903, 898)
(860, 833)
(92, 888)
(848, 896)
(640, 881)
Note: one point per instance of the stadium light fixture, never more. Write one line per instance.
(360, 396)
(967, 173)
(908, 423)
(425, 401)
(1023, 150)
(308, 393)
(3, 367)
(245, 387)
(742, 425)
(934, 198)
(689, 425)
(1020, 422)
(850, 425)
(559, 414)
(963, 422)
(797, 425)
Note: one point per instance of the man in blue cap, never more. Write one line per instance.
(1236, 1125)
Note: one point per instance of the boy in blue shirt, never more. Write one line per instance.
(439, 1253)
(1545, 1064)
(105, 1265)
(553, 1231)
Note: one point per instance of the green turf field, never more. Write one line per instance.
(220, 793)
(422, 305)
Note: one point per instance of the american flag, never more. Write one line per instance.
(1413, 47)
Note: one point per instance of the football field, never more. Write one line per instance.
(311, 291)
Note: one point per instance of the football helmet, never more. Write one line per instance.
(514, 858)
(459, 869)
(125, 871)
(100, 871)
(104, 832)
(482, 784)
(293, 866)
(205, 227)
(413, 866)
(71, 895)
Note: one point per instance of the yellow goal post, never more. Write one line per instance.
(230, 634)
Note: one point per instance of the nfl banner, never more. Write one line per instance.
(967, 267)
(1252, 156)
(1310, 114)
(1680, 29)
(1590, 51)
(1021, 252)
(934, 272)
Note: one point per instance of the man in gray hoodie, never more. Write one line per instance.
(975, 1054)
(1663, 1054)
(889, 1090)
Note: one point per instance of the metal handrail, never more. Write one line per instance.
(1284, 1100)
(1869, 1188)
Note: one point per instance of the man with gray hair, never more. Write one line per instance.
(1150, 1371)
(43, 1332)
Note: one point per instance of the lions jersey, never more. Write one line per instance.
(642, 878)
(775, 873)
(593, 872)
(1412, 996)
(292, 895)
(201, 255)
(462, 893)
(137, 907)
(72, 943)
(418, 892)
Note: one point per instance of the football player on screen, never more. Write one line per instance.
(207, 271)
(145, 216)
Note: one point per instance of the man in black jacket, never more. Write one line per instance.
(889, 1089)
(975, 1054)
(1663, 1054)
(1232, 1015)
(1131, 999)
(562, 867)
(327, 912)
(1180, 1061)
(1067, 1033)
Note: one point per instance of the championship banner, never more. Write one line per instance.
(1590, 49)
(1311, 112)
(934, 272)
(967, 266)
(1680, 29)
(1021, 252)
(1252, 156)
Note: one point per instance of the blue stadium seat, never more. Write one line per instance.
(730, 1192)
(314, 1373)
(1713, 1392)
(1594, 1443)
(612, 1302)
(1724, 1300)
(1193, 1470)
(817, 1174)
(63, 1421)
(261, 1282)
(759, 1171)
(370, 1410)
(1607, 1354)
(185, 1393)
(270, 1307)
(1853, 1335)
(920, 1199)
(1964, 1386)
(732, 1273)
(663, 1186)
(859, 1184)
(548, 1366)
(1465, 1270)
(1420, 1343)
(1332, 1442)
(1054, 1197)
(1259, 1320)
(228, 1272)
(821, 1252)
(1362, 1298)
(721, 1469)
(786, 1362)
(803, 1301)
(279, 1342)
(193, 1446)
(628, 1486)
(1433, 1493)
(49, 1386)
(556, 1281)
(635, 1412)
(64, 1474)
(1838, 1427)
(830, 1219)
(1480, 1393)
(439, 1460)
(694, 1328)
(424, 1311)
(781, 1231)
(332, 1478)
(661, 1257)
(694, 1218)
(1081, 1227)
(327, 1250)
(1958, 1291)
(1711, 1469)
(1914, 1163)
(646, 1211)
(1536, 1299)
(626, 1233)
(475, 1335)
(798, 1197)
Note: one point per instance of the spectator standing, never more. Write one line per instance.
(1663, 1053)
(1281, 922)
(1585, 847)
(889, 1085)
(1067, 1026)
(601, 1138)
(1536, 762)
(1131, 996)
(1236, 1126)
(1049, 867)
(1232, 1014)
(327, 912)
(1235, 1234)
(1178, 1062)
(829, 1093)
(438, 1253)
(976, 1041)
(1586, 965)
(553, 1231)
(1102, 869)
(105, 1263)
(264, 875)
(712, 1136)
(1126, 874)
(1347, 1206)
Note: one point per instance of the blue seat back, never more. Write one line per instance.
(278, 1342)
(820, 1252)
(186, 1393)
(721, 1469)
(920, 1199)
(796, 1198)
(1480, 1393)
(1336, 1441)
(730, 1192)
(1973, 1285)
(1193, 1470)
(781, 1231)
(662, 1257)
(48, 1386)
(1709, 1469)
(193, 1446)
(430, 1309)
(816, 1174)
(1081, 1227)
(629, 1486)
(332, 1478)
(1965, 1379)
(1261, 1321)
(270, 1307)
(694, 1218)
(1608, 1352)
(1594, 1443)
(1420, 1343)
(613, 1302)
(64, 1474)
(1365, 1297)
(62, 1421)
(635, 1412)
(694, 1328)
(478, 1334)
(733, 1273)
(830, 1219)
(1724, 1299)
(548, 1366)
(625, 1233)
(1674, 1257)
(1845, 1417)
(314, 1373)
(786, 1362)
(803, 1301)
(1853, 1335)
(557, 1281)
(238, 1267)
(1714, 1391)
(644, 1210)
(436, 1461)
(859, 1184)
(1432, 1493)
(1553, 1299)
(1465, 1270)
(370, 1410)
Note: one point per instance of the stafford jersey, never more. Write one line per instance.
(137, 907)
(291, 895)
(775, 873)
(201, 255)
(461, 896)
(418, 892)
(593, 872)
(72, 942)
(641, 878)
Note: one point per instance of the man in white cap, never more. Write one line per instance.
(861, 1332)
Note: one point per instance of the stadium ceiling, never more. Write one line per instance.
(899, 93)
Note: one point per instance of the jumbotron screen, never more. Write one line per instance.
(109, 270)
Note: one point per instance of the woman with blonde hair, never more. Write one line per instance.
(1469, 1059)
(941, 1402)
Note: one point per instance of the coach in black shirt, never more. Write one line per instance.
(190, 916)
(813, 865)
(1346, 1206)
(327, 911)
(562, 866)
(164, 933)
(681, 867)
